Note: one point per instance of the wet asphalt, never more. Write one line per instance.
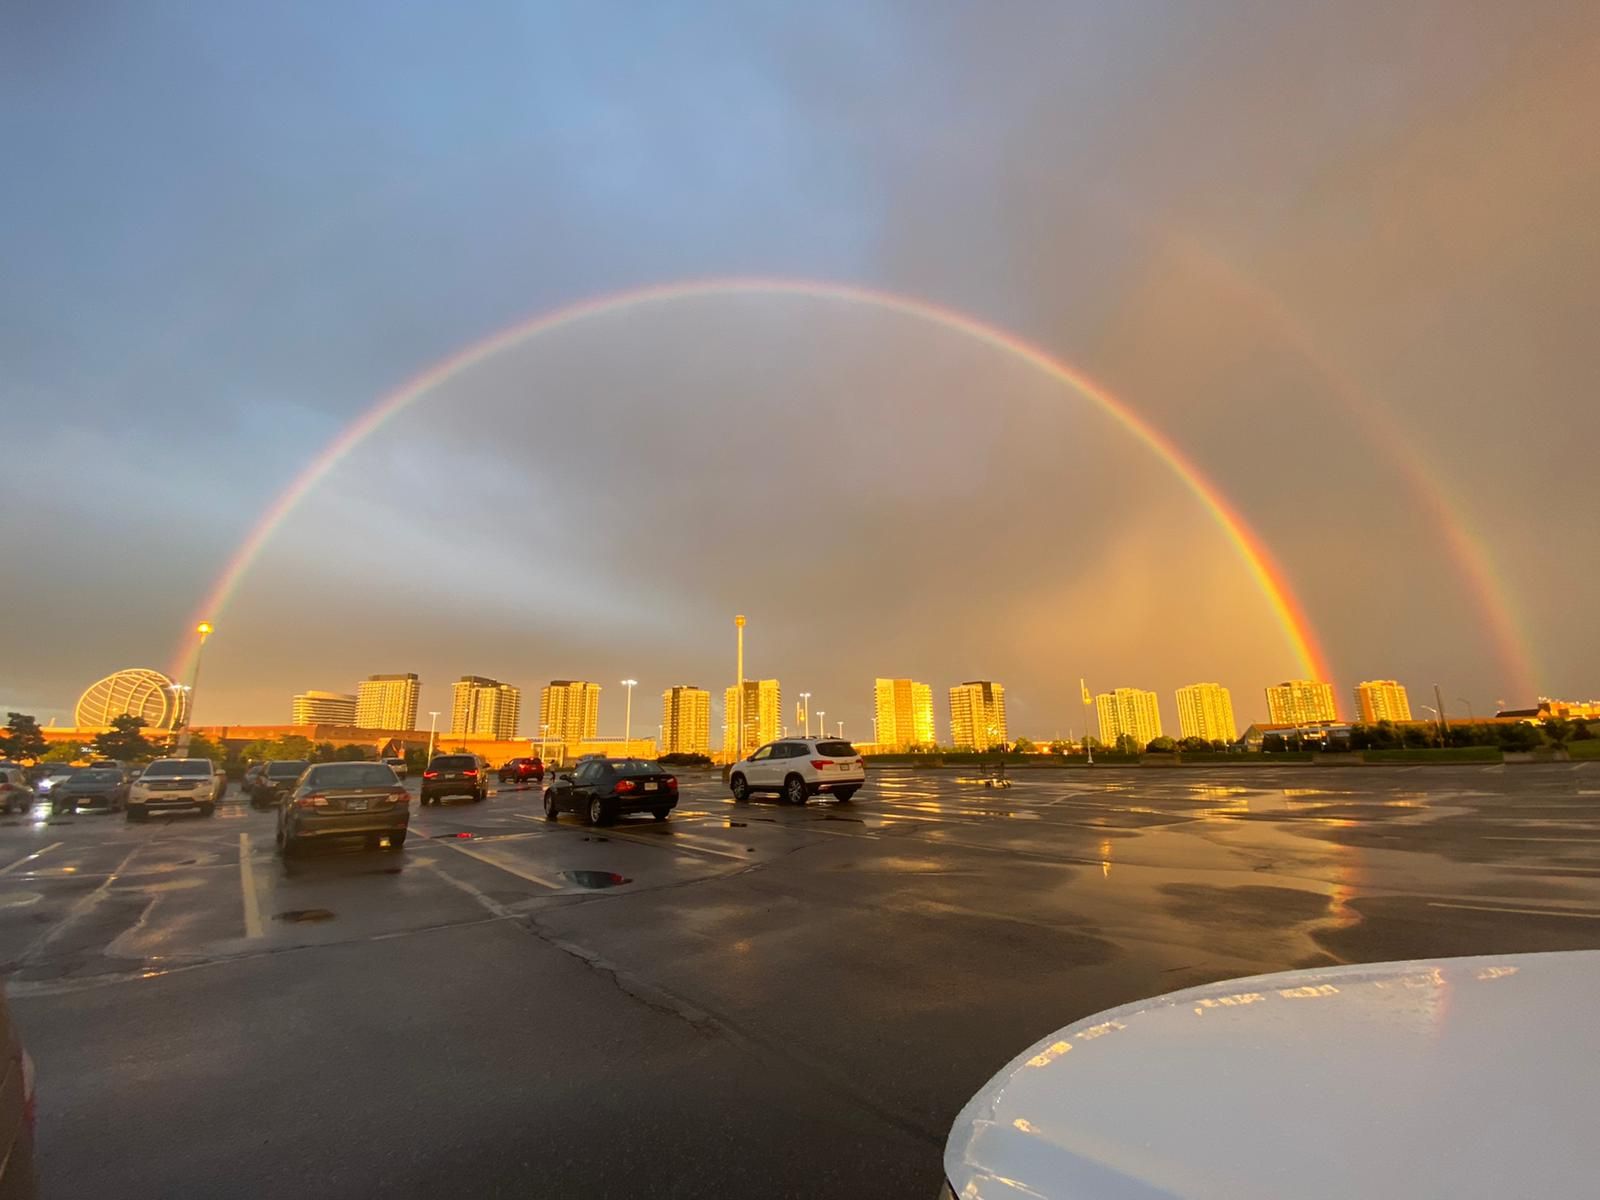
(745, 1000)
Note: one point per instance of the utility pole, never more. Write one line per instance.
(187, 699)
(738, 692)
(1439, 700)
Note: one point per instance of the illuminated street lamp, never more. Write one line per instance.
(627, 721)
(805, 710)
(433, 728)
(822, 730)
(204, 629)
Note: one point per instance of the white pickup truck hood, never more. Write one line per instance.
(1455, 1077)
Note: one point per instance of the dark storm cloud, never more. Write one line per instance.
(232, 232)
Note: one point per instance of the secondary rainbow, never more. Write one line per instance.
(1258, 560)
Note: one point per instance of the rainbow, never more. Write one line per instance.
(1258, 560)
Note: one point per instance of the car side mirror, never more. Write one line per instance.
(565, 778)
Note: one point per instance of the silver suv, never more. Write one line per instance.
(171, 785)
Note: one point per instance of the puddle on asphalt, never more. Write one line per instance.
(302, 916)
(596, 879)
(737, 824)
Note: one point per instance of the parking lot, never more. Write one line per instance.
(751, 999)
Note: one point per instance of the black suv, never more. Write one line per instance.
(274, 779)
(454, 775)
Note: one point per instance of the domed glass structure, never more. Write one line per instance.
(138, 691)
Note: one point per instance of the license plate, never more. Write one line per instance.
(650, 787)
(356, 804)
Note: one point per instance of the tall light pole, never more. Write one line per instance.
(627, 721)
(182, 748)
(738, 692)
(1439, 700)
(805, 711)
(433, 728)
(1471, 715)
(841, 731)
(544, 733)
(822, 730)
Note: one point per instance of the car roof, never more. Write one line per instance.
(1441, 1077)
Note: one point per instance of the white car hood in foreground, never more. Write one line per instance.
(1455, 1077)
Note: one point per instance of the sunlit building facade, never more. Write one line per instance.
(323, 708)
(138, 692)
(1381, 700)
(1131, 711)
(904, 709)
(481, 707)
(1205, 710)
(387, 701)
(569, 710)
(762, 715)
(1301, 702)
(978, 715)
(685, 720)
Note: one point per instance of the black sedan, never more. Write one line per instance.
(603, 788)
(104, 787)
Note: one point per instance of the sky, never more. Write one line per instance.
(1343, 258)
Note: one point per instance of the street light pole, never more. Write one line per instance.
(544, 732)
(841, 731)
(805, 711)
(627, 724)
(182, 748)
(433, 728)
(822, 730)
(738, 692)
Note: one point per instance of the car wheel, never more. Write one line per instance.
(596, 813)
(739, 788)
(843, 794)
(208, 809)
(479, 796)
(550, 809)
(794, 790)
(287, 845)
(660, 814)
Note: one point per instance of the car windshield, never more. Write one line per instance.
(351, 775)
(177, 768)
(286, 770)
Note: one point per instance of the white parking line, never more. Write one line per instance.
(494, 862)
(6, 870)
(677, 841)
(247, 888)
(1533, 912)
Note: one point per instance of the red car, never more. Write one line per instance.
(520, 770)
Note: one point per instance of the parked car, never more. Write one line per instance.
(454, 775)
(15, 794)
(520, 770)
(398, 766)
(173, 784)
(219, 783)
(93, 788)
(274, 779)
(602, 789)
(247, 781)
(17, 1107)
(347, 799)
(1440, 1078)
(799, 768)
(47, 776)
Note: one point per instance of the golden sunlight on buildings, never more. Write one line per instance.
(569, 710)
(323, 708)
(485, 707)
(387, 701)
(685, 720)
(1131, 711)
(977, 715)
(762, 714)
(1205, 710)
(1301, 702)
(904, 710)
(1381, 700)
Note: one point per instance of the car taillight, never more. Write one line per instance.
(672, 783)
(473, 771)
(430, 774)
(627, 785)
(819, 763)
(399, 796)
(314, 800)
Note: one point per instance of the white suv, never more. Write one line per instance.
(173, 783)
(799, 768)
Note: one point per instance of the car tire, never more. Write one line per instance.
(660, 814)
(739, 788)
(795, 790)
(287, 846)
(479, 796)
(209, 809)
(597, 812)
(843, 795)
(550, 809)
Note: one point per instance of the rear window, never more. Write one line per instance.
(455, 762)
(178, 768)
(94, 776)
(351, 775)
(634, 766)
(836, 749)
(286, 770)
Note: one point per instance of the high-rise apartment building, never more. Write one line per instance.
(324, 708)
(685, 720)
(569, 710)
(763, 715)
(905, 713)
(482, 707)
(1301, 702)
(978, 715)
(1128, 710)
(387, 701)
(1382, 700)
(1205, 710)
